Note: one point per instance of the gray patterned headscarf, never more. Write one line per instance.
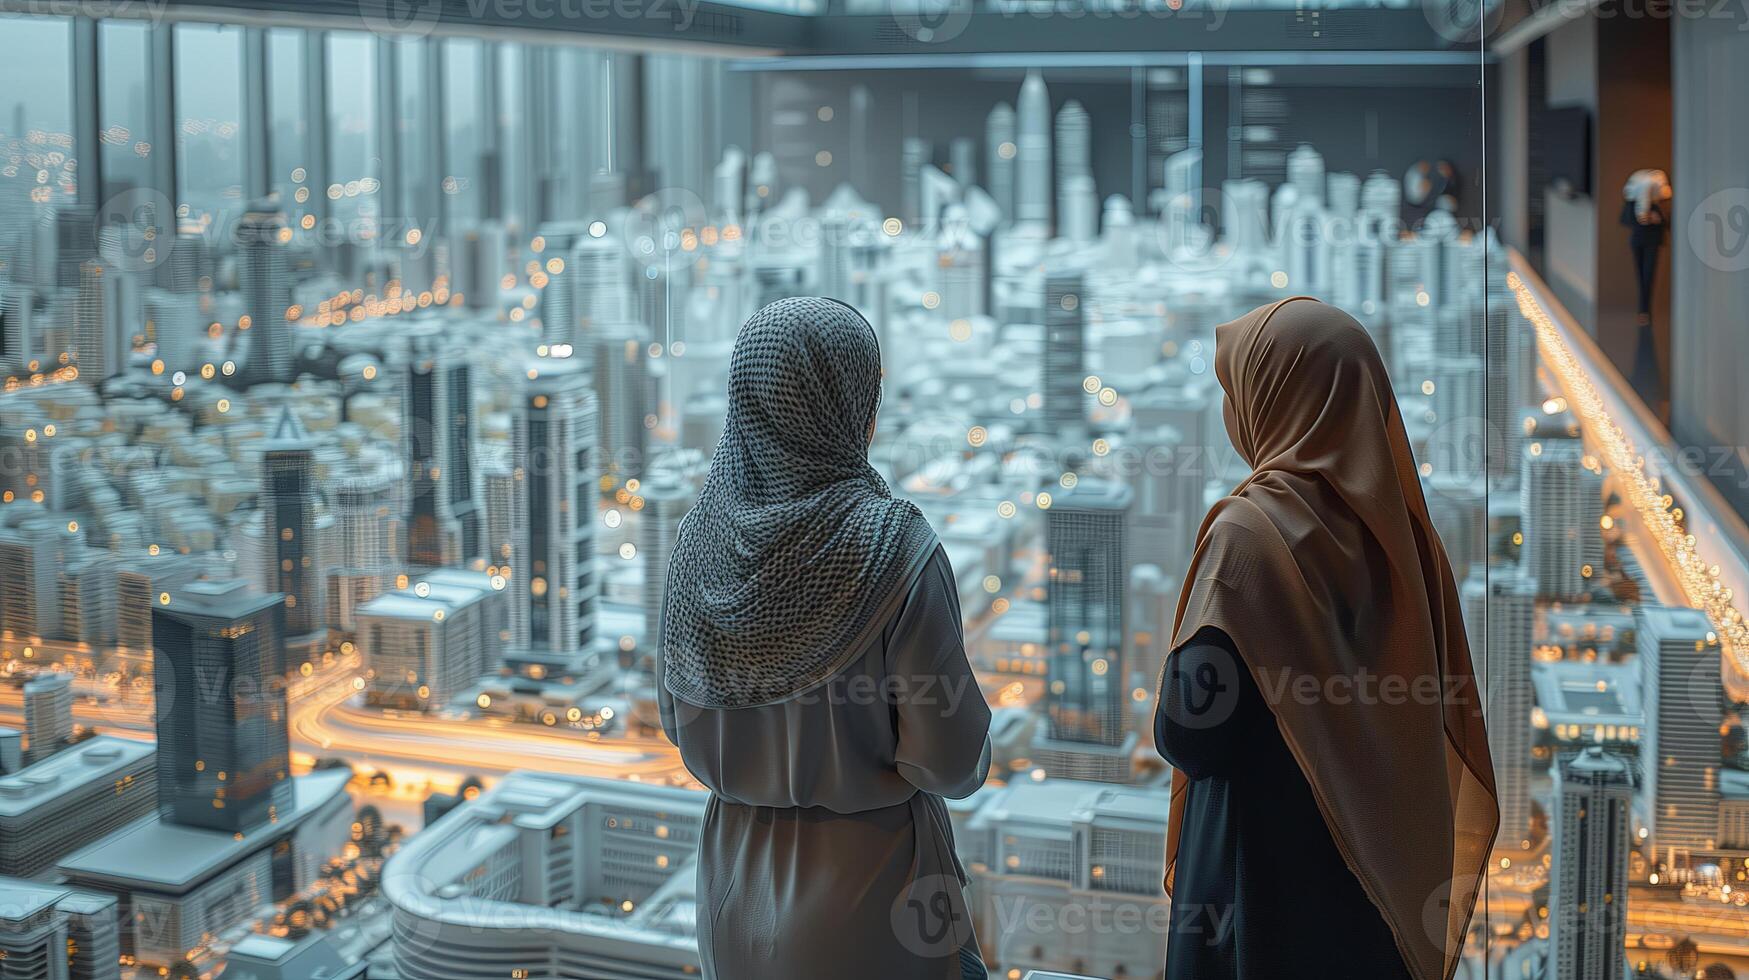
(796, 549)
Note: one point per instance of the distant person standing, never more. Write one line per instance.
(814, 676)
(1333, 803)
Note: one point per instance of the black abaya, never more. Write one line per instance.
(1261, 891)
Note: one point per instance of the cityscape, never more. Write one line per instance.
(356, 385)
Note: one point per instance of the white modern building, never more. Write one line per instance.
(550, 877)
(424, 644)
(1066, 875)
(74, 797)
(1679, 661)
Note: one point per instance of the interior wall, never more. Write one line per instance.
(1710, 251)
(1509, 161)
(1633, 133)
(1358, 129)
(1570, 224)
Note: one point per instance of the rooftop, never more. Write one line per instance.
(158, 856)
(96, 759)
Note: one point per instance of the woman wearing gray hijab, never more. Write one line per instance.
(814, 677)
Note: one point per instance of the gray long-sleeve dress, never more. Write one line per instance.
(826, 849)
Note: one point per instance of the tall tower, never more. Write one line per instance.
(1065, 343)
(368, 509)
(666, 501)
(218, 670)
(1077, 204)
(1588, 881)
(1505, 662)
(1086, 531)
(506, 517)
(288, 514)
(1000, 150)
(624, 396)
(1562, 503)
(266, 286)
(437, 438)
(558, 434)
(1682, 689)
(1032, 193)
(48, 713)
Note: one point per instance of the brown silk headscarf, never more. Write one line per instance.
(1324, 564)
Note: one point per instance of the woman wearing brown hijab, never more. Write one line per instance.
(1333, 802)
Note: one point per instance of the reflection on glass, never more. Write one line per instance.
(511, 407)
(209, 123)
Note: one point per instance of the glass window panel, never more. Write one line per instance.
(209, 123)
(353, 155)
(125, 92)
(36, 114)
(291, 163)
(464, 132)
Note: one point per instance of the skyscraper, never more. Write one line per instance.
(1032, 189)
(218, 670)
(1077, 206)
(48, 713)
(1682, 690)
(266, 287)
(1065, 409)
(623, 395)
(666, 501)
(1086, 533)
(1562, 507)
(1588, 880)
(999, 153)
(504, 548)
(1503, 666)
(558, 421)
(288, 514)
(437, 437)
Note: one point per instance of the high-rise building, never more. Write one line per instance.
(624, 397)
(32, 550)
(48, 713)
(76, 796)
(506, 517)
(666, 501)
(366, 502)
(999, 152)
(265, 281)
(1076, 215)
(106, 309)
(17, 328)
(1588, 880)
(1502, 607)
(1562, 507)
(1063, 369)
(557, 422)
(33, 932)
(288, 514)
(218, 671)
(1087, 530)
(438, 435)
(1032, 187)
(1682, 690)
(430, 641)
